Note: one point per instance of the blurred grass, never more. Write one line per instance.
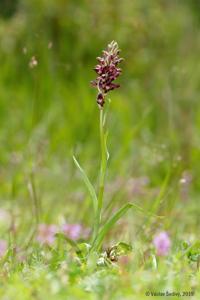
(49, 112)
(53, 107)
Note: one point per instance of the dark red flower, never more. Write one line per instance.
(107, 71)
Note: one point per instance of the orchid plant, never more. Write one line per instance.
(107, 71)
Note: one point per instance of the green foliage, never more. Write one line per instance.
(48, 112)
(193, 251)
(89, 186)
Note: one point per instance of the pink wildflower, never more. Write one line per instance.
(162, 243)
(73, 231)
(46, 234)
(3, 247)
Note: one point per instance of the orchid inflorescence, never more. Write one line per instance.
(107, 70)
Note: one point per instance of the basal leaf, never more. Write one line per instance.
(68, 240)
(88, 185)
(112, 221)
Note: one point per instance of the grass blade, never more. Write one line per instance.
(161, 194)
(158, 200)
(88, 184)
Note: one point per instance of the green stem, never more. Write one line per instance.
(102, 175)
(34, 196)
(103, 163)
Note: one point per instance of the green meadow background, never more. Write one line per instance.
(48, 113)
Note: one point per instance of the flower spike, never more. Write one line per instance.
(107, 70)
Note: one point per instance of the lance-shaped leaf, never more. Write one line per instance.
(113, 220)
(88, 185)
